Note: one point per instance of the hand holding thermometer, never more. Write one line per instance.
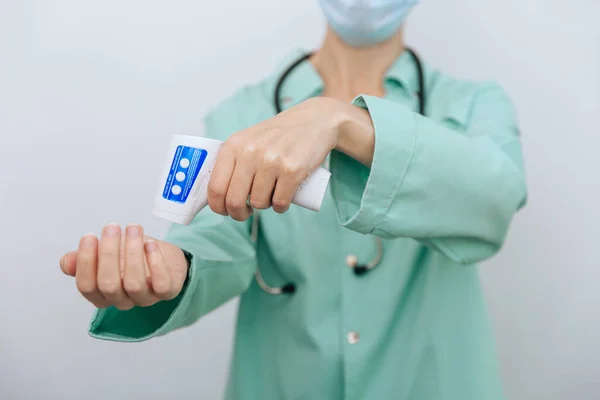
(182, 190)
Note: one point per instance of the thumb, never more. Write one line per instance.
(68, 263)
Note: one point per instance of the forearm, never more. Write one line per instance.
(455, 191)
(221, 267)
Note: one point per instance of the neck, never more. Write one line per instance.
(348, 71)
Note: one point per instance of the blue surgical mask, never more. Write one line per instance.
(365, 22)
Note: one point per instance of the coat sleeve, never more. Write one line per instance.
(454, 191)
(222, 266)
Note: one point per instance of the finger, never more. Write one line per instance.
(86, 269)
(159, 274)
(285, 188)
(219, 180)
(134, 280)
(263, 187)
(236, 200)
(68, 263)
(109, 275)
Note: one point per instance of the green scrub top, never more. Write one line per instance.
(441, 193)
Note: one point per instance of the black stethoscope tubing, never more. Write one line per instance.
(359, 269)
(290, 69)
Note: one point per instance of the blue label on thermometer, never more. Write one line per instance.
(185, 167)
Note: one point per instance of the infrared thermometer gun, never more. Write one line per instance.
(182, 190)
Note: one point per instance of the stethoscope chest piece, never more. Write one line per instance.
(361, 269)
(290, 288)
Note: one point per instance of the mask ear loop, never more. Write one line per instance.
(288, 288)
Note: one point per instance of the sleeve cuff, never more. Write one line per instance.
(143, 323)
(363, 196)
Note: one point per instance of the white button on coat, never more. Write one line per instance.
(353, 337)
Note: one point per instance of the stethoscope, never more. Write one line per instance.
(351, 261)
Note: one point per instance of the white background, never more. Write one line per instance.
(90, 93)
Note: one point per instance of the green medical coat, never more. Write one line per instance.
(441, 193)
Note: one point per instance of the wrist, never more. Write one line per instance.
(355, 133)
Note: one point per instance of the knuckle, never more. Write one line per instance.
(235, 141)
(291, 168)
(271, 159)
(108, 250)
(109, 287)
(235, 145)
(217, 209)
(240, 217)
(134, 286)
(162, 289)
(87, 287)
(234, 204)
(133, 250)
(85, 257)
(215, 192)
(249, 150)
(280, 204)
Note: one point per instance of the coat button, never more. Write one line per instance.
(353, 337)
(351, 260)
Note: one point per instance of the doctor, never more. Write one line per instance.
(374, 297)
